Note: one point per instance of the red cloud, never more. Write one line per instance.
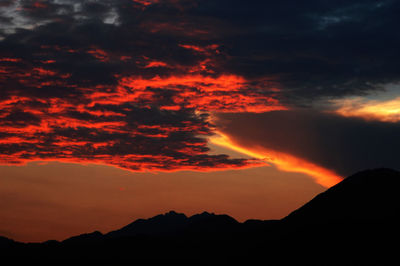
(55, 108)
(99, 54)
(117, 127)
(226, 93)
(146, 2)
(156, 64)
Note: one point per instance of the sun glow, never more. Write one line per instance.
(284, 162)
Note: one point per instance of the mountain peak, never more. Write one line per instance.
(173, 213)
(203, 214)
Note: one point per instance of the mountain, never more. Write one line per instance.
(353, 223)
(4, 242)
(166, 225)
(85, 238)
(371, 195)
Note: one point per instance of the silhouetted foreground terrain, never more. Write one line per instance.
(355, 222)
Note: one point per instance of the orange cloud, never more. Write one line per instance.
(386, 111)
(151, 115)
(125, 136)
(283, 161)
(202, 49)
(225, 93)
(99, 54)
(146, 2)
(7, 59)
(156, 64)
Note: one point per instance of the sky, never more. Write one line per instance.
(112, 111)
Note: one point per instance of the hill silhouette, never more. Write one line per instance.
(368, 195)
(170, 224)
(353, 223)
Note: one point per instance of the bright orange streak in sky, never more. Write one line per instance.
(386, 111)
(222, 83)
(283, 161)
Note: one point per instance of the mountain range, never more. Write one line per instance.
(355, 222)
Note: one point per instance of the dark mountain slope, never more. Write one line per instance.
(371, 195)
(355, 222)
(4, 242)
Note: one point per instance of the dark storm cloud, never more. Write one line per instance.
(94, 80)
(345, 145)
(311, 49)
(315, 48)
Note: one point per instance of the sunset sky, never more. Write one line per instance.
(114, 110)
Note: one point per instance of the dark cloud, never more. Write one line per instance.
(311, 50)
(18, 118)
(345, 145)
(124, 135)
(97, 79)
(318, 48)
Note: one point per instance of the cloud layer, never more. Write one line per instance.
(131, 83)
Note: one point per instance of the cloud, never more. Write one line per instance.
(311, 50)
(342, 144)
(130, 83)
(122, 135)
(383, 110)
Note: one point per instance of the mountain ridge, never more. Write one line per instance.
(360, 215)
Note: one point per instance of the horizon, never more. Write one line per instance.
(170, 218)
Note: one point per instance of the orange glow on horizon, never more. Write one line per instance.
(284, 162)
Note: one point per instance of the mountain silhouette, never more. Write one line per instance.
(164, 224)
(368, 195)
(5, 242)
(169, 224)
(353, 223)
